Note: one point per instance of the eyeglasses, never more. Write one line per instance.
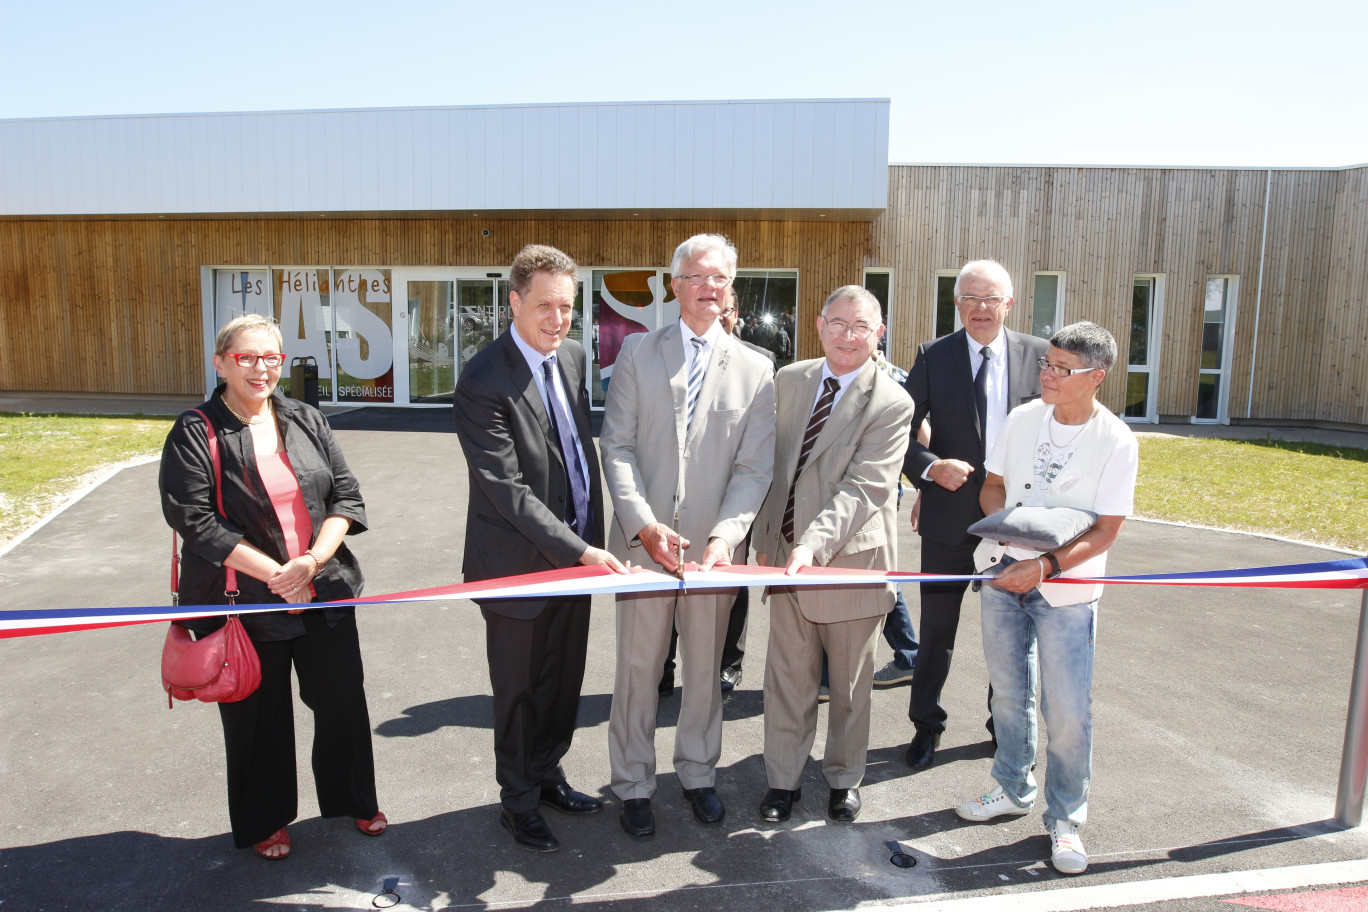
(1063, 371)
(249, 359)
(975, 300)
(856, 330)
(716, 279)
(730, 311)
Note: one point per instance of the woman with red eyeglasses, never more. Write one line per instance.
(288, 500)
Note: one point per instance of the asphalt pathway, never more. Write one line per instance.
(1219, 723)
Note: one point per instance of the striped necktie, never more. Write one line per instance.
(820, 412)
(696, 371)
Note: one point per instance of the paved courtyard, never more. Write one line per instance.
(1219, 723)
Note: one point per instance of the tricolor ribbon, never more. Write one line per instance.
(1351, 573)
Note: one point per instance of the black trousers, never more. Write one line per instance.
(258, 732)
(536, 668)
(940, 615)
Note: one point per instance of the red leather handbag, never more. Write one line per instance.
(222, 667)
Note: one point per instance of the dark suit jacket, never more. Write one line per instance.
(941, 384)
(764, 351)
(518, 485)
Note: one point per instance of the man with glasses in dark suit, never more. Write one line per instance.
(963, 384)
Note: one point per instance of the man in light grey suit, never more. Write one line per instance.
(688, 445)
(839, 443)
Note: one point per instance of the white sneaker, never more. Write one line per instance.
(1066, 849)
(994, 804)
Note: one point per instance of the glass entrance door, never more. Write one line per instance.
(449, 317)
(431, 341)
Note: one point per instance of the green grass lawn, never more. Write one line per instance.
(1304, 491)
(44, 458)
(1307, 491)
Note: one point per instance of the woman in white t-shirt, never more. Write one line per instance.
(1064, 450)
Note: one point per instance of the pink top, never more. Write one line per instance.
(283, 488)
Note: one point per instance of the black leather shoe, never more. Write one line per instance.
(922, 749)
(637, 818)
(568, 801)
(844, 805)
(529, 831)
(731, 678)
(777, 804)
(707, 807)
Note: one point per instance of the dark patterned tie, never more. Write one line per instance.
(564, 427)
(820, 412)
(981, 392)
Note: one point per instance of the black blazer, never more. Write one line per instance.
(941, 384)
(189, 504)
(518, 485)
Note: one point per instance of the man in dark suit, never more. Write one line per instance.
(963, 384)
(536, 503)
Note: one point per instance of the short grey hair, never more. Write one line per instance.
(991, 270)
(228, 333)
(1093, 345)
(857, 294)
(701, 243)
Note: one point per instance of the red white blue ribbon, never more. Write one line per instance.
(1351, 573)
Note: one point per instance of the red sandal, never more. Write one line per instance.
(278, 838)
(366, 826)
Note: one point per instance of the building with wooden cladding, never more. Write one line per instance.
(381, 240)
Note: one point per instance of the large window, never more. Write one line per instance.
(402, 334)
(1047, 304)
(879, 283)
(1142, 361)
(623, 302)
(768, 301)
(1213, 373)
(627, 301)
(947, 315)
(365, 335)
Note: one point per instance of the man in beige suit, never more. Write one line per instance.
(688, 445)
(839, 443)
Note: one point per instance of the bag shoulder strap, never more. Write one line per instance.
(231, 582)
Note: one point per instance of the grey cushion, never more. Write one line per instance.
(1035, 528)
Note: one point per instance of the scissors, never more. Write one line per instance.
(679, 548)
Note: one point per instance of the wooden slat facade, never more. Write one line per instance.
(115, 306)
(1104, 226)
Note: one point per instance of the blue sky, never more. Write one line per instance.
(1171, 83)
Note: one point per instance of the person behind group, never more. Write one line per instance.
(688, 446)
(536, 503)
(840, 436)
(965, 406)
(734, 645)
(288, 500)
(1065, 450)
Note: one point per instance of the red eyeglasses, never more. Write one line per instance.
(249, 359)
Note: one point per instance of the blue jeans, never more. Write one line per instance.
(1025, 641)
(900, 635)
